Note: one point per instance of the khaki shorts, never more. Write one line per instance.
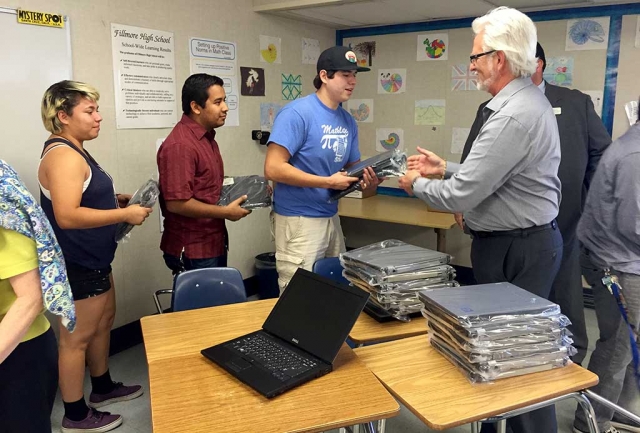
(301, 241)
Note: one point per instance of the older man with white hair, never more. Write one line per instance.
(508, 187)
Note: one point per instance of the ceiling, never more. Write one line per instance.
(342, 14)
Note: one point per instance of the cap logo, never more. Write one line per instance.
(351, 56)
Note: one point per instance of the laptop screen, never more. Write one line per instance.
(316, 314)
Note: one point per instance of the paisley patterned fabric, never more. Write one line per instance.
(20, 212)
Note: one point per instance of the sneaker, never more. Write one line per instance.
(609, 430)
(626, 425)
(95, 422)
(120, 393)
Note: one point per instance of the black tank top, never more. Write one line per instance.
(92, 248)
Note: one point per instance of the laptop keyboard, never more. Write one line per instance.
(283, 363)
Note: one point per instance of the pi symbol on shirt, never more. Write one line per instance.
(337, 143)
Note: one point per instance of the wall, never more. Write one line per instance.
(129, 155)
(628, 88)
(396, 48)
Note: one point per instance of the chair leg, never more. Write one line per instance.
(156, 298)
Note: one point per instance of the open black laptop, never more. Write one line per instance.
(300, 338)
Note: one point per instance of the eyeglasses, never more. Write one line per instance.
(475, 57)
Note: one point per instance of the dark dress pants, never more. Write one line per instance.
(567, 292)
(530, 261)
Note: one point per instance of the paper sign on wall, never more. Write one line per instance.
(46, 19)
(432, 46)
(458, 139)
(144, 77)
(392, 81)
(389, 139)
(361, 110)
(587, 34)
(218, 58)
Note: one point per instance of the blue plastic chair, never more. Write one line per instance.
(200, 288)
(330, 267)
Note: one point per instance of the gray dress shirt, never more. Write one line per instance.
(610, 224)
(510, 178)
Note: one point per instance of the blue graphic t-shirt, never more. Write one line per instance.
(321, 141)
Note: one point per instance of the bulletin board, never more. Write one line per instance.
(420, 91)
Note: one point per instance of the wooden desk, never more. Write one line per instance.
(188, 332)
(189, 393)
(166, 335)
(399, 210)
(439, 395)
(367, 330)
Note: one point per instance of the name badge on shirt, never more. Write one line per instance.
(227, 181)
(557, 110)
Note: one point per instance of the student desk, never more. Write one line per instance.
(368, 330)
(440, 396)
(189, 393)
(164, 335)
(399, 210)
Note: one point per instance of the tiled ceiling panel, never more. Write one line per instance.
(371, 13)
(367, 13)
(441, 10)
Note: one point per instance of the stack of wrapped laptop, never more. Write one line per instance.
(494, 331)
(395, 272)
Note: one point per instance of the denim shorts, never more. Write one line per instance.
(87, 283)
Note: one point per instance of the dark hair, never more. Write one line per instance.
(317, 82)
(540, 55)
(196, 89)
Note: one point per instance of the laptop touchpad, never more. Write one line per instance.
(238, 364)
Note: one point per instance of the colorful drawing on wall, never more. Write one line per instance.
(587, 34)
(270, 49)
(361, 110)
(291, 86)
(462, 78)
(429, 112)
(432, 46)
(559, 71)
(365, 51)
(389, 139)
(392, 81)
(268, 112)
(310, 51)
(252, 81)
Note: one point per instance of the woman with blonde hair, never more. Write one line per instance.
(79, 199)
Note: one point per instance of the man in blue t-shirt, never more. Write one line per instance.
(313, 139)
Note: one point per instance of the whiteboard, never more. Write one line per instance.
(32, 58)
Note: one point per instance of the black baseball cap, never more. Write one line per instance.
(339, 59)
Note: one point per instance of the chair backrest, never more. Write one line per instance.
(208, 287)
(330, 267)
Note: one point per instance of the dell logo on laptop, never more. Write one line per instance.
(294, 340)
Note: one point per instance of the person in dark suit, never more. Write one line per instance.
(583, 140)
